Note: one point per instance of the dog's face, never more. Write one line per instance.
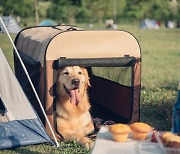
(72, 82)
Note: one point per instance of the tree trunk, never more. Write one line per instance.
(36, 8)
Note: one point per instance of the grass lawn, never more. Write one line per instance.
(160, 75)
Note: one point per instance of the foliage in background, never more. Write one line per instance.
(140, 9)
(20, 8)
(91, 11)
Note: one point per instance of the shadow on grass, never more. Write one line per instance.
(158, 115)
(157, 105)
(24, 150)
(170, 86)
(65, 148)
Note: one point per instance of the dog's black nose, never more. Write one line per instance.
(75, 82)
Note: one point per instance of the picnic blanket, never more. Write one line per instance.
(105, 145)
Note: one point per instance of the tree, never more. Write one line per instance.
(174, 9)
(36, 12)
(71, 11)
(139, 9)
(100, 9)
(64, 10)
(159, 9)
(22, 8)
(81, 10)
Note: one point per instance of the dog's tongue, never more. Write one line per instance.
(75, 97)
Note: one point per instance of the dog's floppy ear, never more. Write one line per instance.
(58, 73)
(87, 77)
(89, 82)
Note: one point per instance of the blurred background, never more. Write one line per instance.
(94, 13)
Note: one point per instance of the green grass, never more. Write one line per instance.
(160, 75)
(7, 48)
(65, 148)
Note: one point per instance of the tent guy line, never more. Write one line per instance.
(33, 88)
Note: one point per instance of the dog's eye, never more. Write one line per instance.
(79, 73)
(66, 73)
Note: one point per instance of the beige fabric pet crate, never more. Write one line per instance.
(112, 58)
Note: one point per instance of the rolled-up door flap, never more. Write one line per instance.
(94, 62)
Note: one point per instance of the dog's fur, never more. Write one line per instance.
(72, 105)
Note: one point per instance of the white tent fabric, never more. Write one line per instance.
(11, 24)
(149, 24)
(12, 94)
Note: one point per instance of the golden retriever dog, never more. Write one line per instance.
(74, 121)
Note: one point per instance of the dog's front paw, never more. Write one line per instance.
(86, 142)
(89, 145)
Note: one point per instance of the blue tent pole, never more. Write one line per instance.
(29, 79)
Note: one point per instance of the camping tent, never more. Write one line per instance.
(47, 23)
(19, 124)
(149, 24)
(10, 23)
(112, 58)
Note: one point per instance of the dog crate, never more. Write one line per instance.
(112, 58)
